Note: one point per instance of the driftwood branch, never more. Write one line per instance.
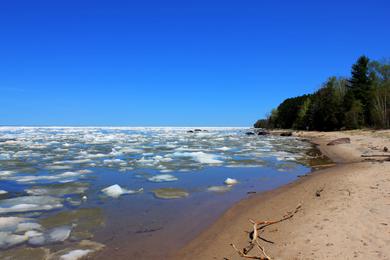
(375, 155)
(254, 235)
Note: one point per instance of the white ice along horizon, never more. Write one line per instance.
(161, 148)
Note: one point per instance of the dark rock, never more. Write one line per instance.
(190, 131)
(385, 149)
(198, 130)
(262, 133)
(286, 134)
(345, 140)
(250, 133)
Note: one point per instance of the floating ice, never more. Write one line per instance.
(230, 181)
(59, 234)
(76, 254)
(26, 226)
(200, 157)
(3, 192)
(6, 173)
(162, 178)
(8, 239)
(55, 235)
(10, 223)
(219, 188)
(224, 148)
(115, 191)
(59, 189)
(29, 203)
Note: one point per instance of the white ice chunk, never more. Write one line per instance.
(76, 254)
(10, 223)
(32, 233)
(162, 178)
(230, 181)
(55, 235)
(29, 203)
(59, 234)
(22, 227)
(224, 148)
(200, 157)
(6, 173)
(219, 188)
(3, 192)
(8, 239)
(115, 191)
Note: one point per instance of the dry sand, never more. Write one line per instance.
(349, 220)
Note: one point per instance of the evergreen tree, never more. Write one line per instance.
(360, 86)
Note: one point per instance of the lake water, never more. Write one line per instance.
(129, 193)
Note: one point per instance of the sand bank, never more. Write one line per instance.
(350, 218)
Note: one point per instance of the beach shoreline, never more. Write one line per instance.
(345, 208)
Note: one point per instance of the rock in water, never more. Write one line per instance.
(170, 193)
(345, 140)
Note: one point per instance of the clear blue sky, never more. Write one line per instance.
(145, 63)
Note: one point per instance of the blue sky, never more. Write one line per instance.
(175, 63)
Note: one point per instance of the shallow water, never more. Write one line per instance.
(140, 192)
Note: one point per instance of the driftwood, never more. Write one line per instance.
(318, 192)
(254, 235)
(324, 165)
(375, 155)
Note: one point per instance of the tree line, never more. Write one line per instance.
(362, 100)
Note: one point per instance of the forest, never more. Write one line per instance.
(360, 100)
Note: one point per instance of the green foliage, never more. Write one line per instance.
(261, 123)
(325, 107)
(303, 117)
(361, 101)
(354, 117)
(288, 111)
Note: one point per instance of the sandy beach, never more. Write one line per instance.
(345, 212)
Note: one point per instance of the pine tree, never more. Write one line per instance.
(360, 86)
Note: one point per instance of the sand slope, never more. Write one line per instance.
(349, 220)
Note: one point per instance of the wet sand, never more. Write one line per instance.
(349, 219)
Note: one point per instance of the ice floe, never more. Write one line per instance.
(115, 191)
(230, 181)
(200, 157)
(162, 178)
(55, 235)
(224, 188)
(29, 203)
(76, 254)
(8, 239)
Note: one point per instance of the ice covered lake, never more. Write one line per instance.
(129, 193)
